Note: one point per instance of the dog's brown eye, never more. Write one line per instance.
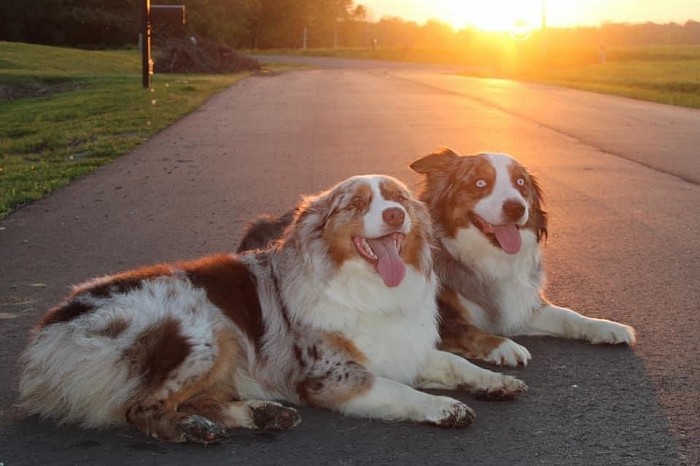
(481, 183)
(357, 203)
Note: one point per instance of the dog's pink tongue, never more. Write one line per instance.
(390, 266)
(508, 237)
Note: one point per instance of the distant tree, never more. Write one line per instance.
(89, 23)
(226, 21)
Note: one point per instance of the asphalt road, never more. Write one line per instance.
(621, 181)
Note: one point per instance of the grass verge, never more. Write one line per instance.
(64, 112)
(667, 75)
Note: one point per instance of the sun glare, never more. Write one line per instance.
(520, 16)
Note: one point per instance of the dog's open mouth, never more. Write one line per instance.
(384, 254)
(506, 236)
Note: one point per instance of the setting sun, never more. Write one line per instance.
(493, 16)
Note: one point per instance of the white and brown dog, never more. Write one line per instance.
(340, 314)
(489, 225)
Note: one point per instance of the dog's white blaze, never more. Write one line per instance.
(490, 208)
(375, 227)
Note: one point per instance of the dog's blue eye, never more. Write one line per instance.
(520, 181)
(481, 183)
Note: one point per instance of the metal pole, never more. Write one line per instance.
(146, 62)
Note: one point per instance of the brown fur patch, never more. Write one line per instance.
(123, 282)
(64, 313)
(216, 383)
(457, 335)
(101, 287)
(336, 386)
(346, 223)
(157, 351)
(532, 193)
(415, 242)
(207, 395)
(233, 289)
(334, 371)
(115, 328)
(393, 192)
(463, 192)
(338, 236)
(342, 344)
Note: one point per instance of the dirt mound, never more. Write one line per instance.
(198, 55)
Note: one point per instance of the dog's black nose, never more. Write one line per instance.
(394, 216)
(513, 210)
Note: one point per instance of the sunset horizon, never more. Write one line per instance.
(504, 15)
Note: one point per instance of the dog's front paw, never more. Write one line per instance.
(268, 415)
(504, 387)
(509, 353)
(199, 429)
(450, 413)
(612, 333)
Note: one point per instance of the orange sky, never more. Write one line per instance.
(501, 14)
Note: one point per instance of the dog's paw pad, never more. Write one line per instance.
(201, 430)
(509, 353)
(274, 416)
(456, 416)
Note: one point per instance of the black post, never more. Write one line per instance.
(146, 62)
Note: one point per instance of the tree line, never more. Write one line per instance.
(235, 23)
(264, 24)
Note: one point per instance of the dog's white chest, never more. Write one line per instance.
(514, 281)
(394, 328)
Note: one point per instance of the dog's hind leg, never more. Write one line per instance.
(187, 394)
(205, 418)
(248, 414)
(557, 321)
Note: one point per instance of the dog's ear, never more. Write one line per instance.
(439, 161)
(314, 210)
(538, 219)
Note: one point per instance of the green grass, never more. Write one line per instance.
(668, 75)
(64, 112)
